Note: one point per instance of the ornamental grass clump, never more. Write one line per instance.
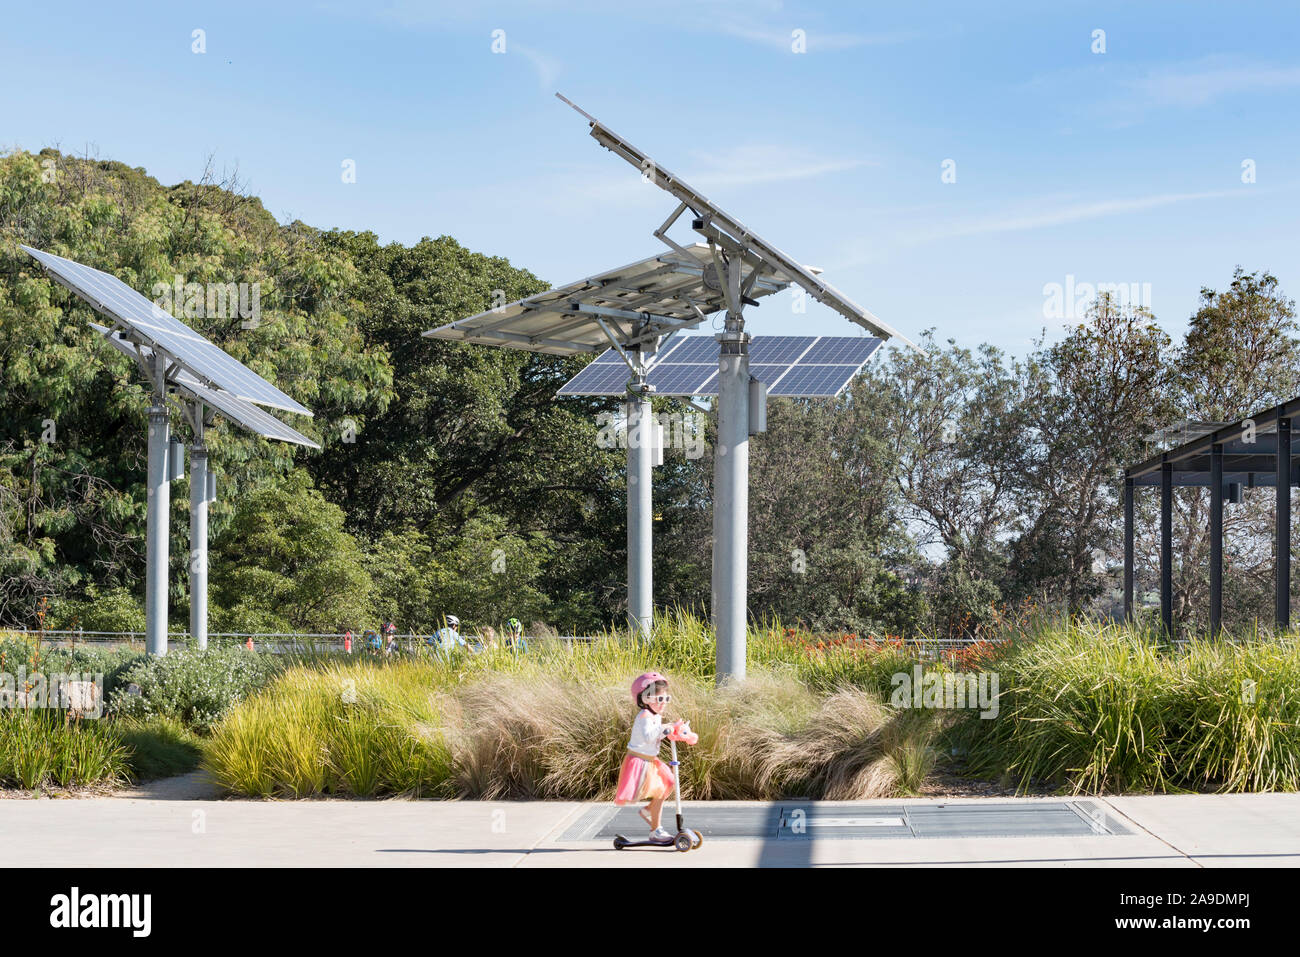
(530, 733)
(336, 729)
(41, 748)
(1101, 708)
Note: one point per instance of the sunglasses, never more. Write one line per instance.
(659, 698)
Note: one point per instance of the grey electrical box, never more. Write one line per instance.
(757, 407)
(657, 433)
(176, 461)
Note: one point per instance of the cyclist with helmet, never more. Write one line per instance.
(447, 638)
(515, 635)
(643, 776)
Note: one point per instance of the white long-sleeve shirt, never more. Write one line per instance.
(648, 733)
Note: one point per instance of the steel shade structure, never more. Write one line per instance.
(174, 357)
(1254, 452)
(741, 260)
(735, 266)
(633, 311)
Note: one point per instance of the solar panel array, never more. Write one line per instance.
(790, 366)
(230, 406)
(210, 365)
(718, 218)
(644, 299)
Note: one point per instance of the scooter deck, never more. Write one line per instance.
(694, 837)
(621, 842)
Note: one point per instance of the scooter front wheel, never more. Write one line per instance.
(683, 841)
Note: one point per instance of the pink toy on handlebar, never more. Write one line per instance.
(681, 731)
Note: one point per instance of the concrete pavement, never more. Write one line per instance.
(1169, 831)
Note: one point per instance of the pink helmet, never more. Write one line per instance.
(643, 681)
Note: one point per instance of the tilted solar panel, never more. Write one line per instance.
(230, 406)
(113, 298)
(637, 302)
(790, 366)
(718, 218)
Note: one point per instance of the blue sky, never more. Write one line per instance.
(1116, 167)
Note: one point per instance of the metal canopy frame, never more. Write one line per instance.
(215, 382)
(721, 229)
(1254, 452)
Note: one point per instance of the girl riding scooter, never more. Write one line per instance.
(643, 776)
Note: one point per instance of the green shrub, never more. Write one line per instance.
(336, 729)
(195, 687)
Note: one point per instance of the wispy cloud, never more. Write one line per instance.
(1058, 216)
(1124, 95)
(547, 67)
(816, 40)
(760, 164)
(1047, 212)
(1203, 82)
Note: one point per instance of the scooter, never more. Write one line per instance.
(685, 840)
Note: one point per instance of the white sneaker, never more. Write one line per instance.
(661, 835)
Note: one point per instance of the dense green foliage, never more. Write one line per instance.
(935, 493)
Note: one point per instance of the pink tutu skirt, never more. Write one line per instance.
(642, 780)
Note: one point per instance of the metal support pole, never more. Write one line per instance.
(199, 534)
(1216, 539)
(731, 501)
(1282, 536)
(1128, 549)
(155, 591)
(640, 508)
(1167, 549)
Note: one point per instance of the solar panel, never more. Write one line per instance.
(790, 366)
(230, 406)
(210, 365)
(245, 414)
(637, 302)
(713, 217)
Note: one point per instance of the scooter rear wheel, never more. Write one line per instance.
(699, 838)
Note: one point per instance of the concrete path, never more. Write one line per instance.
(1173, 831)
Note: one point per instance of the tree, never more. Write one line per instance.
(1094, 396)
(284, 563)
(72, 440)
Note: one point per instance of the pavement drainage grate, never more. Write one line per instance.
(796, 821)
